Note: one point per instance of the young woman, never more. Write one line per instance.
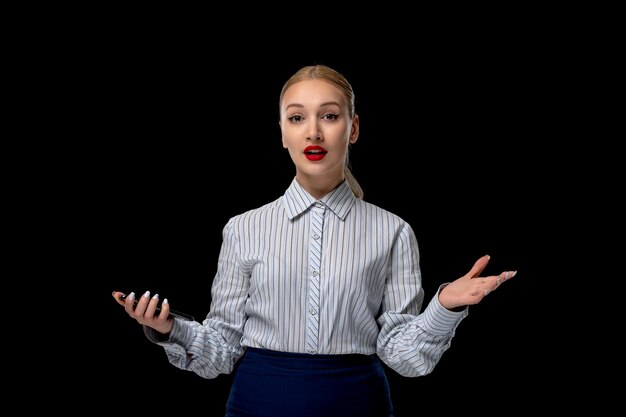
(316, 288)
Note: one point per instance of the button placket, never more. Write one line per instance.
(315, 264)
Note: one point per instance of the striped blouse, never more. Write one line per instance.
(331, 276)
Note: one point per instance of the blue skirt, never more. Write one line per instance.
(278, 384)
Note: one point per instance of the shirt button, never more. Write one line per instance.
(316, 236)
(314, 273)
(313, 311)
(312, 351)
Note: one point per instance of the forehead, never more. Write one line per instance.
(312, 92)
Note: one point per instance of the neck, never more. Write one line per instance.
(319, 188)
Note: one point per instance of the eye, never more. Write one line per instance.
(330, 116)
(296, 118)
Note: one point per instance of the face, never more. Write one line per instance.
(317, 130)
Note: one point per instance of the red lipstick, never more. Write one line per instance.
(315, 153)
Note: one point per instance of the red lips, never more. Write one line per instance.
(315, 153)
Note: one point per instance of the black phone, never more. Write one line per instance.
(173, 313)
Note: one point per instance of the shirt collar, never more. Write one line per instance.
(297, 200)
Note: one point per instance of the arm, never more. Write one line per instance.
(212, 347)
(412, 343)
(409, 342)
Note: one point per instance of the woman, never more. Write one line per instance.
(316, 288)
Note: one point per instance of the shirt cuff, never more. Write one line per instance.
(181, 335)
(438, 319)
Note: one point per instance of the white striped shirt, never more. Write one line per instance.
(353, 285)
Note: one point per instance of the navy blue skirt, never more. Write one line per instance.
(278, 384)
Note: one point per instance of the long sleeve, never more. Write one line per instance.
(409, 342)
(213, 347)
(351, 284)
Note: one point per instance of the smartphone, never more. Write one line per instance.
(173, 313)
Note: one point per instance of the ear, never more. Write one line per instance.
(354, 131)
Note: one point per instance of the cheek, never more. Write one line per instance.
(283, 136)
(289, 136)
(285, 139)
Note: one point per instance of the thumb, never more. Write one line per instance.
(119, 297)
(479, 266)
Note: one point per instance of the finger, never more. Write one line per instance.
(152, 306)
(142, 304)
(505, 276)
(165, 309)
(479, 266)
(118, 297)
(129, 304)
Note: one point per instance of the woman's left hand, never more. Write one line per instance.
(472, 288)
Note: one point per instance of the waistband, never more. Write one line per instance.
(304, 359)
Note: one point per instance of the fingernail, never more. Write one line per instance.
(146, 294)
(131, 296)
(513, 274)
(488, 257)
(165, 301)
(155, 297)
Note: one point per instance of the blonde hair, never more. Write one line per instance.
(322, 72)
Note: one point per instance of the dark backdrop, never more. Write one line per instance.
(179, 138)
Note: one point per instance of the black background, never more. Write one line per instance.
(179, 135)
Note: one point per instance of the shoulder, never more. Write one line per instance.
(365, 208)
(256, 214)
(378, 220)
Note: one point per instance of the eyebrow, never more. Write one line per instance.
(327, 103)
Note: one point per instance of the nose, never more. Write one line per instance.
(314, 133)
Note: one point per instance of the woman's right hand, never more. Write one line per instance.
(144, 310)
